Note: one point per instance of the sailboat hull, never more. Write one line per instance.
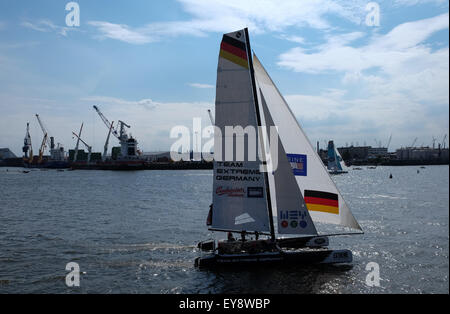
(282, 257)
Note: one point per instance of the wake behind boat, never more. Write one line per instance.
(248, 195)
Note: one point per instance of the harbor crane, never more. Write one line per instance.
(55, 153)
(414, 142)
(434, 142)
(75, 156)
(106, 121)
(46, 133)
(105, 150)
(443, 141)
(42, 149)
(89, 148)
(122, 136)
(27, 147)
(389, 142)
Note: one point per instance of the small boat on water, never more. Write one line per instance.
(336, 164)
(357, 168)
(279, 198)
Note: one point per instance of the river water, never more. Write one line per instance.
(136, 232)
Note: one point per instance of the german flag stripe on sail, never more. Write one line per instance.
(322, 202)
(234, 50)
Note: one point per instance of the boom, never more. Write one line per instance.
(105, 151)
(45, 131)
(78, 144)
(389, 142)
(107, 123)
(89, 148)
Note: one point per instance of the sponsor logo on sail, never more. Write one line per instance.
(293, 218)
(232, 192)
(299, 164)
(243, 219)
(255, 192)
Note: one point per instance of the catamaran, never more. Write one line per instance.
(336, 164)
(278, 208)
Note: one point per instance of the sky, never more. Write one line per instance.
(353, 71)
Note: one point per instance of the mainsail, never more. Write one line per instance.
(240, 197)
(321, 196)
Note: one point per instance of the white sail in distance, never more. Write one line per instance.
(341, 160)
(323, 200)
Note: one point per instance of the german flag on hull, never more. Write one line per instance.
(322, 202)
(234, 50)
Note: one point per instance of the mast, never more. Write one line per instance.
(258, 119)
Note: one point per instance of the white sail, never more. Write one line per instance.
(341, 160)
(324, 202)
(291, 211)
(239, 189)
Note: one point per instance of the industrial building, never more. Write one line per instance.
(423, 154)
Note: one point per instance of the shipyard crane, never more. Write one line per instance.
(42, 148)
(89, 148)
(75, 156)
(389, 142)
(27, 147)
(434, 141)
(105, 150)
(121, 136)
(46, 133)
(415, 140)
(106, 121)
(443, 141)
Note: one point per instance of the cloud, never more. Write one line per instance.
(295, 39)
(120, 32)
(388, 51)
(46, 26)
(394, 82)
(201, 86)
(418, 2)
(222, 16)
(145, 103)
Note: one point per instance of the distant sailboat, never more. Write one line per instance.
(282, 206)
(336, 164)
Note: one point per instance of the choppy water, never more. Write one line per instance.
(135, 232)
